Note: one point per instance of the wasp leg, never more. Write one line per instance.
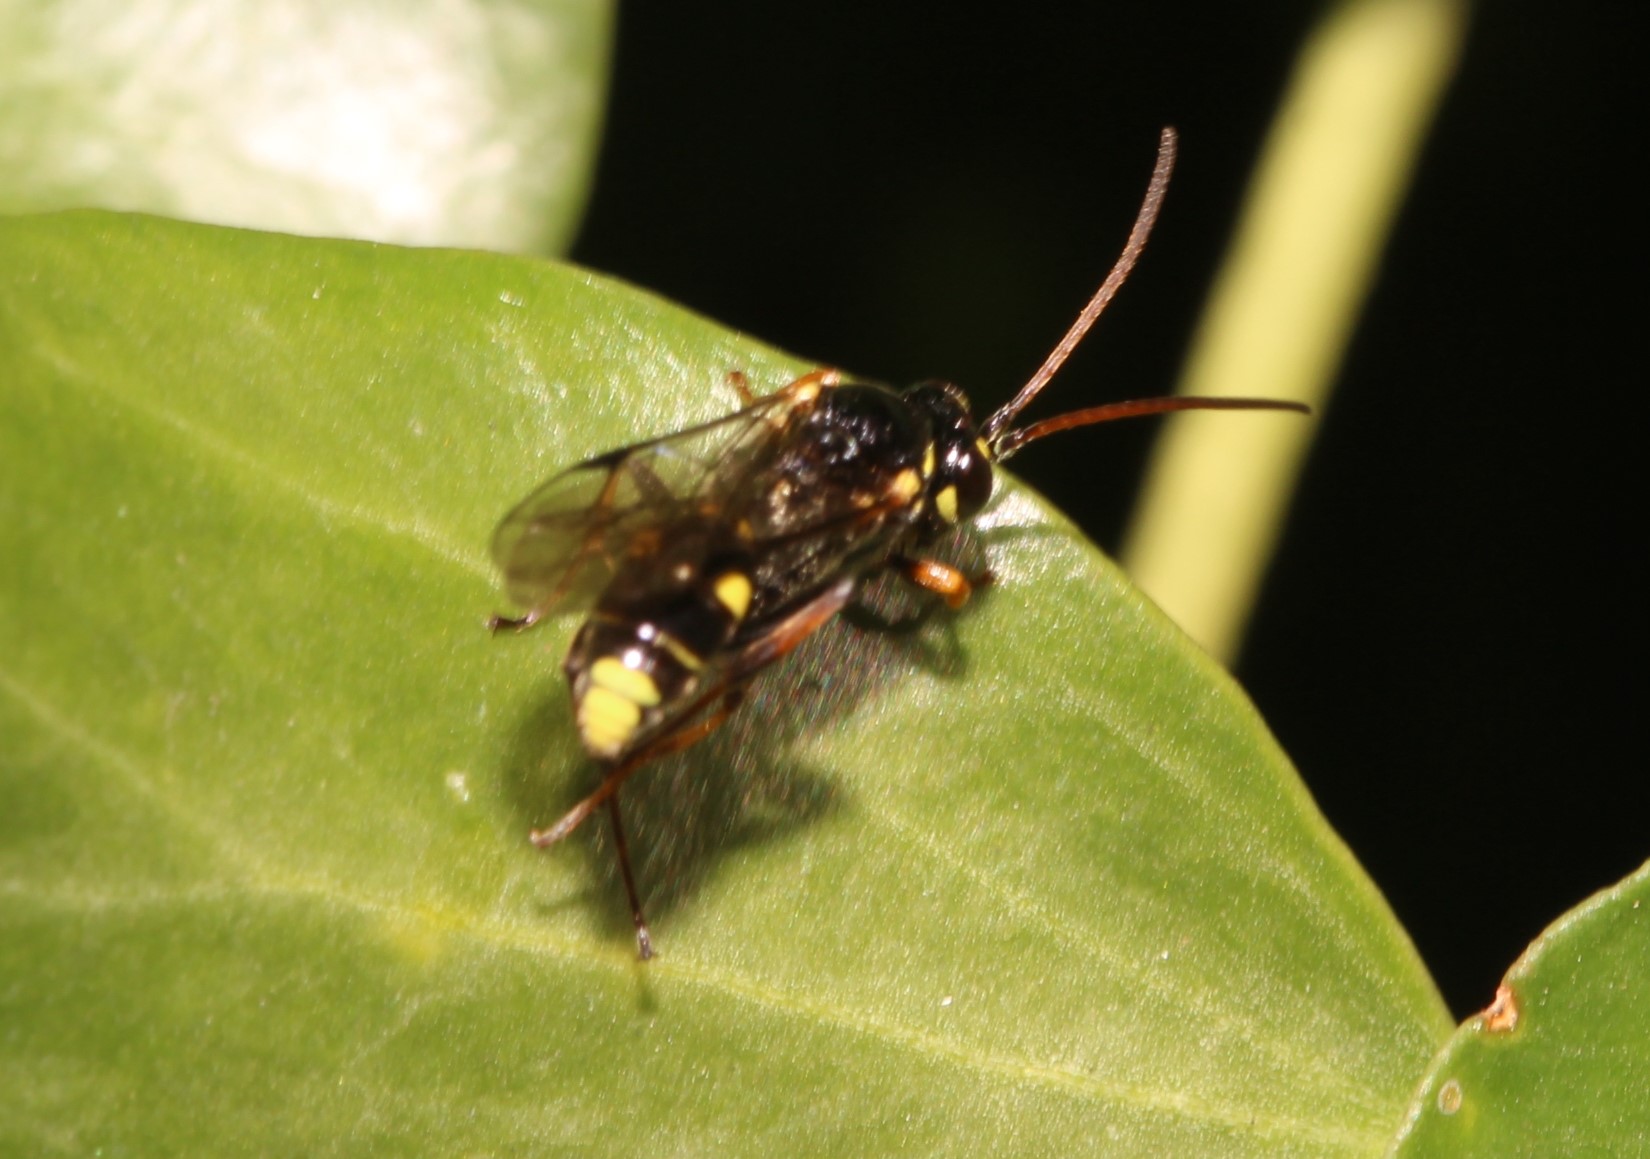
(670, 743)
(496, 624)
(945, 581)
(824, 376)
(741, 386)
(644, 940)
(773, 643)
(777, 640)
(811, 381)
(757, 654)
(608, 793)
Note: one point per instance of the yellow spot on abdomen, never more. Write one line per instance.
(733, 592)
(632, 684)
(607, 721)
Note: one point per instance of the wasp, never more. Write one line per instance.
(707, 555)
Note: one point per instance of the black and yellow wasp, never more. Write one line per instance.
(706, 555)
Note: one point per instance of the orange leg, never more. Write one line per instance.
(824, 376)
(670, 743)
(608, 793)
(741, 386)
(945, 581)
(809, 383)
(770, 646)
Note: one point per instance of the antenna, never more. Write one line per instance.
(1004, 442)
(1011, 441)
(994, 429)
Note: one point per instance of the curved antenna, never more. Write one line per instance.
(1011, 441)
(993, 431)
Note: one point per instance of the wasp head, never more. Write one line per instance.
(957, 462)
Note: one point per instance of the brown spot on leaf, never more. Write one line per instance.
(1502, 1014)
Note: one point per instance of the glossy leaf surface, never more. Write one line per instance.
(1029, 879)
(1558, 1065)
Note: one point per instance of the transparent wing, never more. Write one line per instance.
(560, 544)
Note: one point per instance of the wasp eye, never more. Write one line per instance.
(965, 473)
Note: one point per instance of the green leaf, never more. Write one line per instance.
(1558, 1065)
(1029, 879)
(432, 122)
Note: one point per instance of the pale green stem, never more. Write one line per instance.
(1329, 183)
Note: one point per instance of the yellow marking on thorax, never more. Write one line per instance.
(928, 460)
(906, 486)
(733, 592)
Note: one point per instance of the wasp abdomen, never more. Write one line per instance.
(634, 666)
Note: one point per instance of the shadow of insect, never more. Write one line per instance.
(741, 786)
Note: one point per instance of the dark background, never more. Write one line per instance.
(909, 193)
